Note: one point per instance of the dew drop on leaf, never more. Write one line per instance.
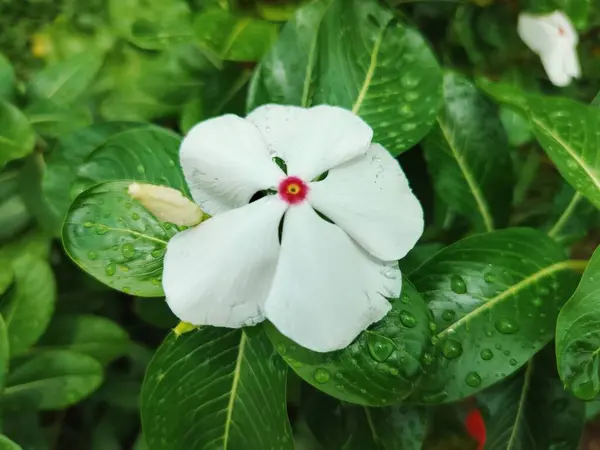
(458, 285)
(448, 315)
(135, 216)
(512, 362)
(428, 359)
(537, 302)
(322, 375)
(473, 379)
(407, 319)
(101, 229)
(88, 224)
(110, 269)
(507, 326)
(489, 277)
(92, 255)
(452, 349)
(486, 354)
(281, 348)
(380, 348)
(128, 250)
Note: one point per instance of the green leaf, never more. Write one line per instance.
(27, 308)
(578, 337)
(17, 138)
(495, 298)
(115, 239)
(25, 429)
(107, 152)
(156, 312)
(4, 352)
(7, 444)
(577, 10)
(380, 367)
(66, 81)
(14, 216)
(98, 337)
(7, 78)
(52, 380)
(233, 38)
(468, 156)
(53, 120)
(532, 410)
(216, 387)
(354, 54)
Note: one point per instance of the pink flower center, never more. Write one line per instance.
(293, 190)
(561, 31)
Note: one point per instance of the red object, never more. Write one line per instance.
(476, 427)
(293, 190)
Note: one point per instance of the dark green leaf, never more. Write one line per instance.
(495, 298)
(95, 336)
(7, 78)
(380, 367)
(4, 352)
(468, 156)
(66, 81)
(532, 410)
(106, 152)
(27, 308)
(52, 380)
(216, 388)
(156, 312)
(7, 444)
(25, 429)
(354, 54)
(16, 134)
(115, 239)
(578, 335)
(14, 216)
(52, 119)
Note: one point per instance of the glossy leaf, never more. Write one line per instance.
(27, 308)
(16, 134)
(95, 336)
(52, 120)
(234, 38)
(578, 335)
(380, 367)
(51, 380)
(532, 410)
(216, 387)
(115, 239)
(354, 54)
(468, 156)
(4, 352)
(7, 444)
(66, 81)
(106, 152)
(495, 298)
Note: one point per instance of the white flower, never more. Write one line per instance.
(324, 282)
(555, 40)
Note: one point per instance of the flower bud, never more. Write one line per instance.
(184, 327)
(167, 204)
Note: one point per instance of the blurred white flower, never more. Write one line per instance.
(167, 204)
(276, 257)
(554, 39)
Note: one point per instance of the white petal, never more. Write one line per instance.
(220, 272)
(562, 23)
(539, 33)
(571, 62)
(370, 199)
(554, 65)
(312, 141)
(326, 288)
(226, 161)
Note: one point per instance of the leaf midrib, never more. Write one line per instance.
(370, 72)
(234, 388)
(521, 407)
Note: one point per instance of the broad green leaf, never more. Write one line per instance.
(115, 239)
(216, 388)
(4, 352)
(27, 308)
(516, 126)
(7, 444)
(532, 410)
(52, 380)
(106, 152)
(14, 216)
(572, 216)
(17, 138)
(578, 335)
(25, 429)
(66, 81)
(95, 336)
(33, 243)
(468, 156)
(577, 10)
(234, 38)
(355, 55)
(52, 120)
(6, 277)
(380, 367)
(495, 298)
(7, 78)
(418, 255)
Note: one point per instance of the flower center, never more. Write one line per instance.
(561, 31)
(293, 190)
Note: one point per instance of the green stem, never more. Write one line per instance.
(564, 217)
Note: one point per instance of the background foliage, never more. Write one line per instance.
(495, 312)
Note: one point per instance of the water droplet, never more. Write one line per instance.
(448, 315)
(88, 224)
(135, 216)
(126, 289)
(489, 277)
(101, 228)
(458, 285)
(433, 397)
(281, 348)
(486, 354)
(167, 226)
(322, 375)
(506, 352)
(158, 253)
(498, 347)
(512, 362)
(140, 169)
(452, 349)
(537, 302)
(380, 348)
(155, 281)
(542, 290)
(473, 379)
(428, 359)
(92, 255)
(128, 250)
(407, 319)
(432, 326)
(110, 269)
(489, 333)
(394, 371)
(507, 326)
